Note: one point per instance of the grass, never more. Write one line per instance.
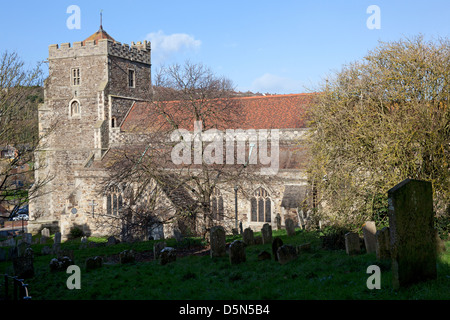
(318, 274)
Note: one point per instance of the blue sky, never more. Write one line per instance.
(263, 46)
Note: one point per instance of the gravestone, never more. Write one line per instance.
(43, 240)
(352, 245)
(28, 238)
(217, 241)
(112, 241)
(45, 233)
(168, 254)
(369, 231)
(24, 264)
(126, 256)
(412, 234)
(2, 255)
(93, 263)
(57, 239)
(277, 242)
(248, 237)
(157, 247)
(286, 253)
(383, 244)
(237, 252)
(46, 250)
(278, 221)
(266, 233)
(290, 227)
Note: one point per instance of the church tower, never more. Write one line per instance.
(91, 86)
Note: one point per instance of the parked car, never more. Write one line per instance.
(21, 216)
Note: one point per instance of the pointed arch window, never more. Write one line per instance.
(114, 201)
(217, 210)
(261, 206)
(75, 109)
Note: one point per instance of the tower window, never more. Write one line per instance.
(113, 122)
(75, 108)
(76, 76)
(131, 78)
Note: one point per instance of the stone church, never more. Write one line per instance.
(96, 102)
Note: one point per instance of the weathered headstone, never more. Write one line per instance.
(93, 263)
(2, 255)
(369, 231)
(112, 241)
(126, 256)
(237, 252)
(57, 239)
(277, 242)
(352, 244)
(383, 244)
(248, 237)
(278, 221)
(266, 233)
(24, 264)
(286, 253)
(45, 232)
(157, 247)
(28, 238)
(217, 241)
(290, 227)
(60, 263)
(168, 254)
(412, 234)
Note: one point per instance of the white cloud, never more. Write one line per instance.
(271, 83)
(163, 45)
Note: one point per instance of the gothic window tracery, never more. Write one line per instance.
(261, 206)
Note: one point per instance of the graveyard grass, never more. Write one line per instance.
(319, 274)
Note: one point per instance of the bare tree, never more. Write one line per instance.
(184, 95)
(20, 95)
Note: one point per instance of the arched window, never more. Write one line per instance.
(75, 108)
(217, 205)
(261, 206)
(114, 201)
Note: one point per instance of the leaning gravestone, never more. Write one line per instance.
(412, 235)
(217, 241)
(277, 242)
(237, 252)
(290, 227)
(248, 237)
(286, 253)
(383, 244)
(352, 245)
(369, 231)
(266, 233)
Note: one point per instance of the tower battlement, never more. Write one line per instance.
(139, 51)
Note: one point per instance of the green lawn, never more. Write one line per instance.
(319, 274)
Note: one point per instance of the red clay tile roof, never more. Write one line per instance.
(100, 34)
(260, 112)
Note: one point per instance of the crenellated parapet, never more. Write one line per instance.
(139, 51)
